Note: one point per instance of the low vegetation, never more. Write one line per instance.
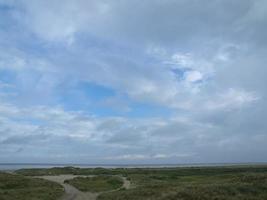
(96, 183)
(235, 186)
(180, 171)
(18, 187)
(192, 183)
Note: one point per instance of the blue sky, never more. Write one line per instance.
(99, 82)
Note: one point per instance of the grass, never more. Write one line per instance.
(191, 183)
(18, 187)
(236, 186)
(96, 183)
(185, 171)
(47, 171)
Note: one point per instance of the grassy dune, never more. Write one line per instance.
(18, 187)
(96, 184)
(195, 183)
(241, 186)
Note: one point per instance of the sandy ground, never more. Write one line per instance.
(126, 183)
(71, 193)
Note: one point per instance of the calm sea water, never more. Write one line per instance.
(15, 166)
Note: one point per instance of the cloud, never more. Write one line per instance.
(126, 73)
(143, 140)
(54, 21)
(193, 76)
(203, 68)
(232, 99)
(130, 157)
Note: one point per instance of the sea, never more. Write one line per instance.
(16, 166)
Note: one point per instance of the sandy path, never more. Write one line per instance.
(71, 193)
(126, 183)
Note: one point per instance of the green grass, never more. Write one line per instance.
(96, 183)
(191, 183)
(236, 186)
(18, 187)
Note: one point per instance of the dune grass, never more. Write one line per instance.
(18, 187)
(191, 183)
(180, 171)
(238, 186)
(96, 183)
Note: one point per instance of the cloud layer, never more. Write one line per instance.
(101, 82)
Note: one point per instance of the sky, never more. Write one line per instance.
(133, 82)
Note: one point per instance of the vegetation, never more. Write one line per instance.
(183, 171)
(96, 183)
(48, 171)
(17, 187)
(168, 186)
(192, 183)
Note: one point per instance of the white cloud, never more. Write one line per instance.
(8, 61)
(126, 74)
(54, 21)
(231, 99)
(193, 76)
(130, 157)
(212, 78)
(151, 139)
(184, 60)
(15, 59)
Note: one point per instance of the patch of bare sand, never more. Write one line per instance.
(126, 183)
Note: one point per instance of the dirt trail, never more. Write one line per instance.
(126, 183)
(71, 193)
